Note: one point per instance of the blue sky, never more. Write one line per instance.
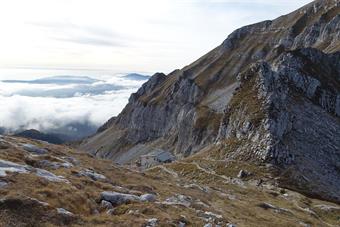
(121, 35)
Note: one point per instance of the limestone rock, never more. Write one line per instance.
(116, 198)
(34, 149)
(91, 174)
(148, 198)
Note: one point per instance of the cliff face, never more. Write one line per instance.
(269, 93)
(287, 113)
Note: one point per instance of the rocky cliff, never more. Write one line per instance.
(270, 93)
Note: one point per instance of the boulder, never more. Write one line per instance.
(117, 199)
(50, 176)
(54, 165)
(91, 174)
(34, 149)
(7, 166)
(148, 198)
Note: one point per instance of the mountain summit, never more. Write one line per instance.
(269, 94)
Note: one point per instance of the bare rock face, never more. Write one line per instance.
(288, 116)
(269, 93)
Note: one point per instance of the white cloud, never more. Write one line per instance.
(50, 112)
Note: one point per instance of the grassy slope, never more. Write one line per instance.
(211, 181)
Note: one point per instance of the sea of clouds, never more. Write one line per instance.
(71, 108)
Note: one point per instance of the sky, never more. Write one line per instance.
(104, 37)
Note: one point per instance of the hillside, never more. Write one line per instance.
(52, 185)
(268, 95)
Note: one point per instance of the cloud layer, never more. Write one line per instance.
(56, 108)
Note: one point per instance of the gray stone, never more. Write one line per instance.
(7, 166)
(50, 176)
(179, 200)
(34, 149)
(54, 165)
(71, 160)
(116, 198)
(148, 198)
(92, 174)
(64, 212)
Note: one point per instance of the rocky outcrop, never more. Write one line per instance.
(287, 116)
(116, 198)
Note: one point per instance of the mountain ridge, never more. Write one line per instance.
(205, 103)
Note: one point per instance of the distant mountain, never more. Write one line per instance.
(64, 133)
(136, 76)
(74, 131)
(35, 134)
(57, 80)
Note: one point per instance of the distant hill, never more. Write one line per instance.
(57, 80)
(136, 76)
(35, 134)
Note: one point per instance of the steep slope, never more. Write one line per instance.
(269, 93)
(52, 185)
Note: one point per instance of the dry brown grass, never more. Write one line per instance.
(80, 196)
